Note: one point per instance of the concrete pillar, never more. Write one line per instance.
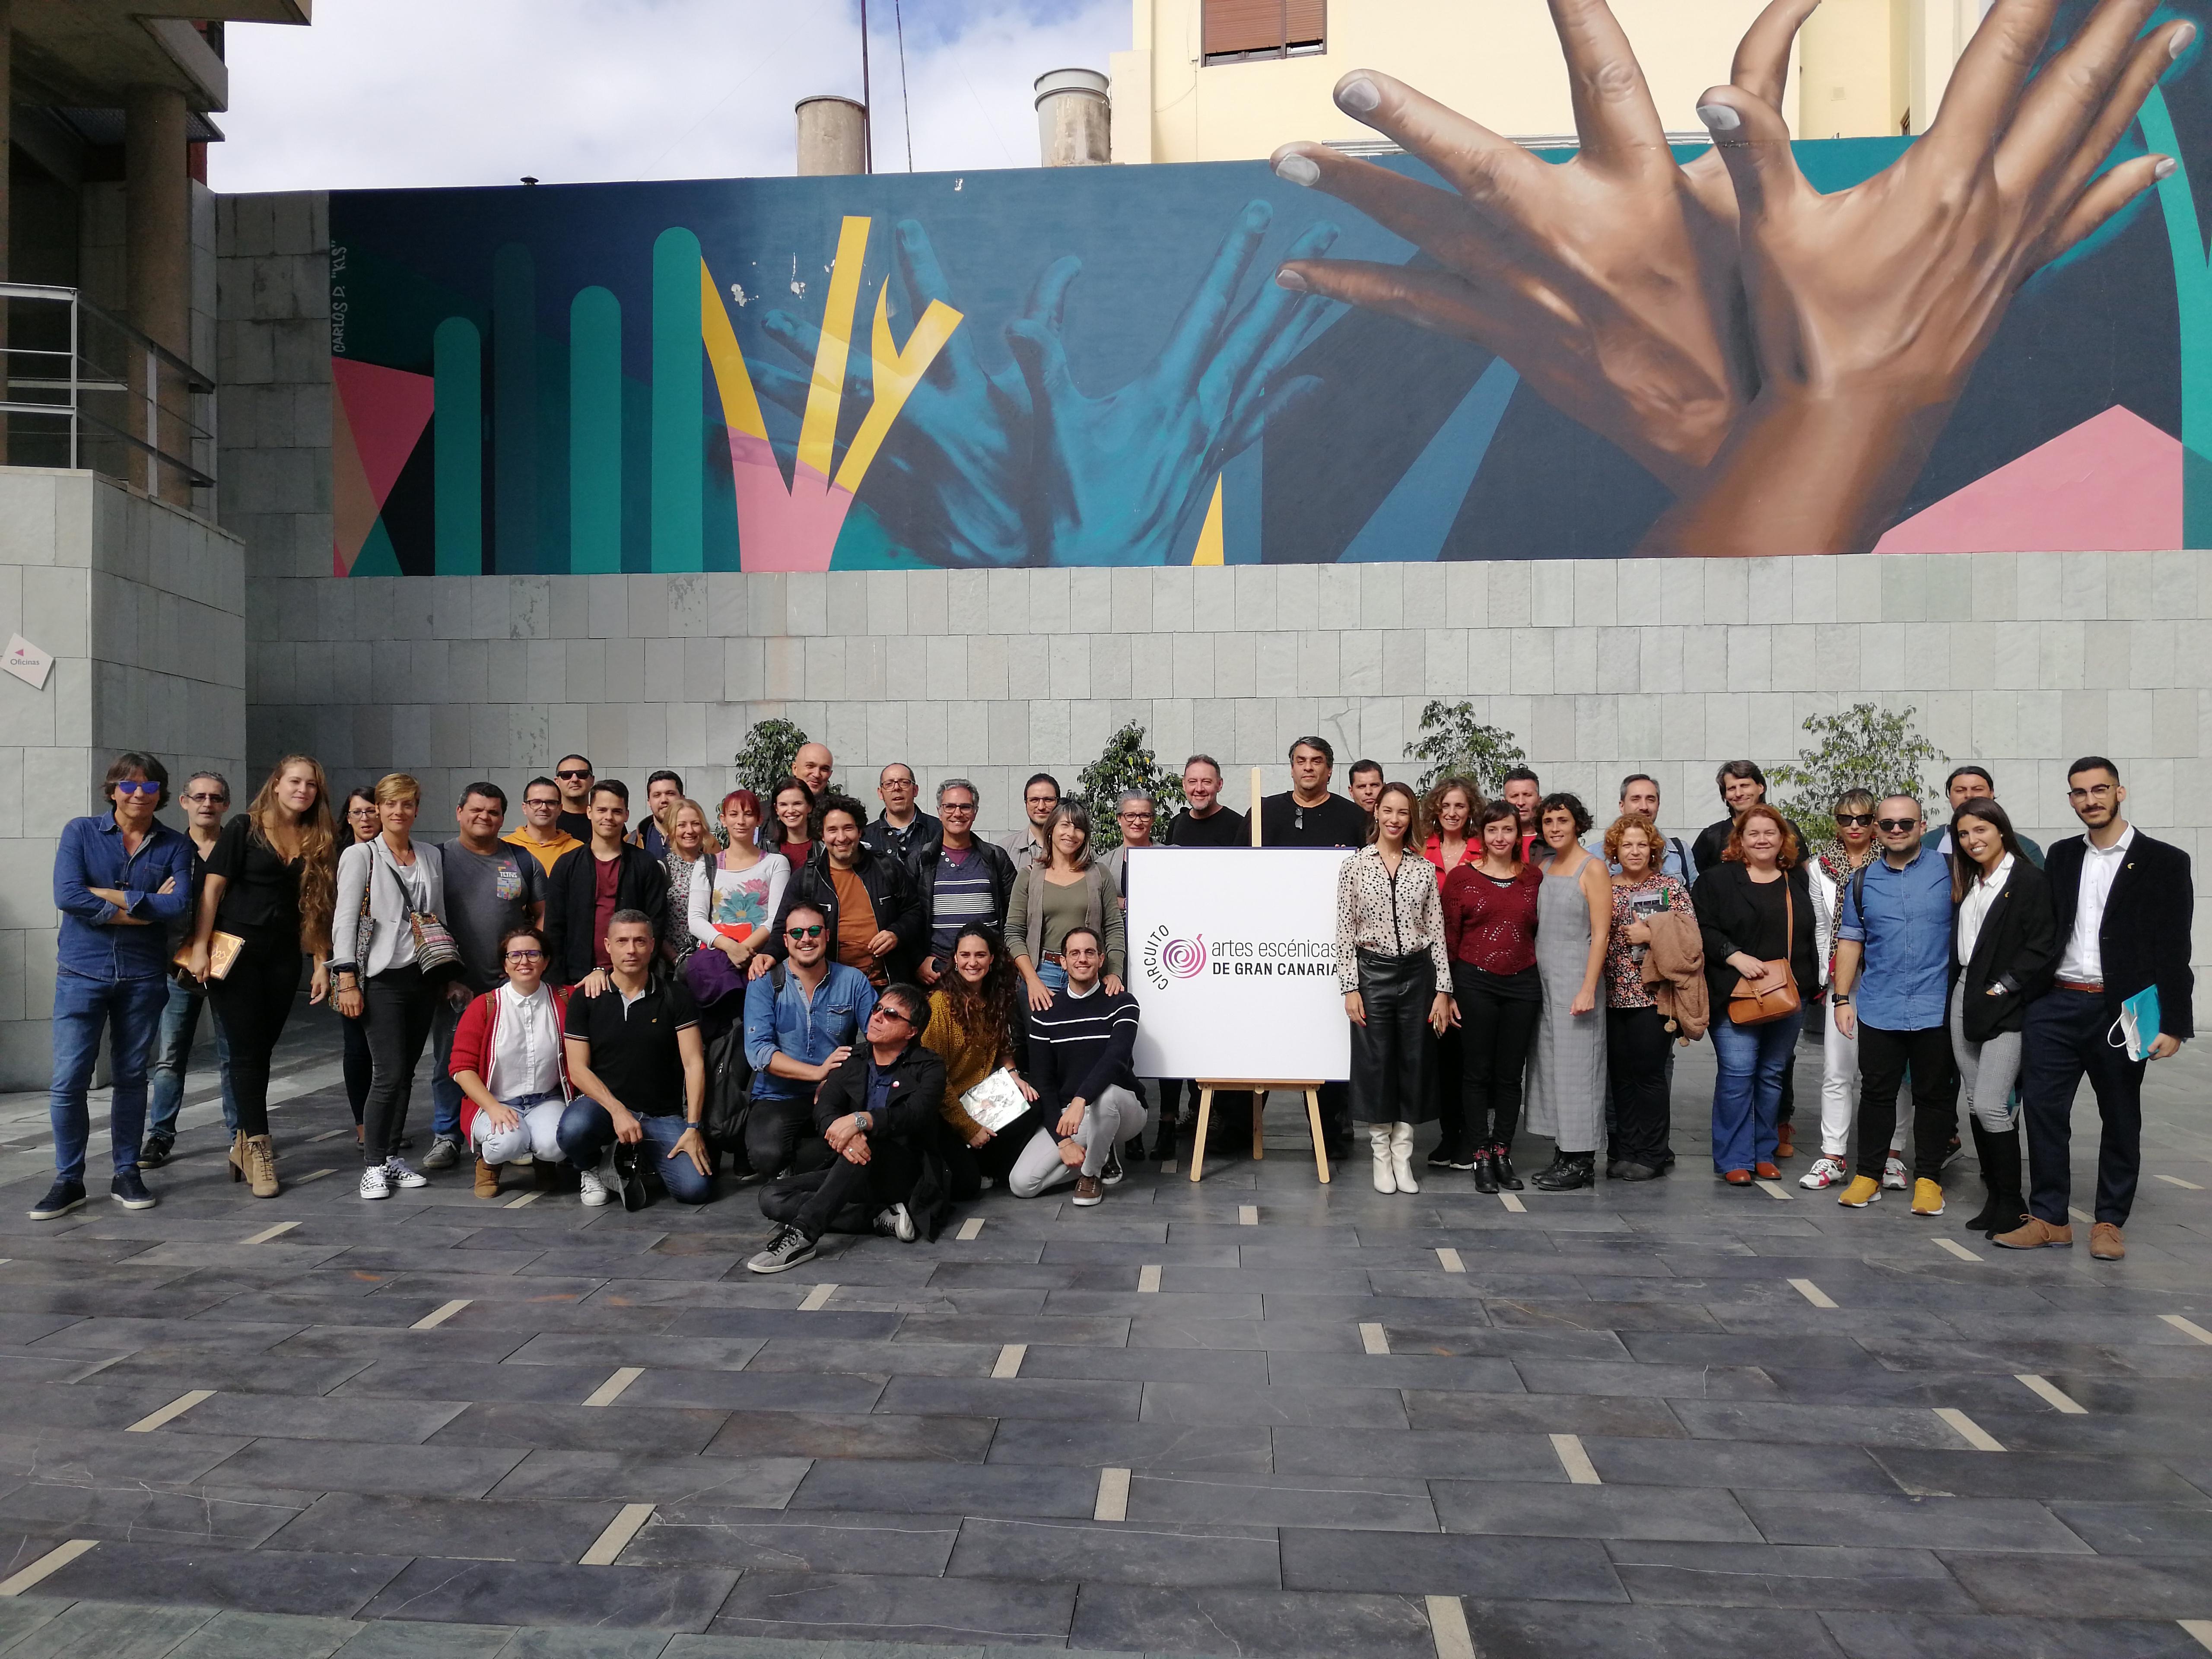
(7, 138)
(1074, 120)
(832, 137)
(157, 253)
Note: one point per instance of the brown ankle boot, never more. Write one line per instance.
(487, 1179)
(261, 1165)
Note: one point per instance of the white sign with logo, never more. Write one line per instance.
(27, 662)
(1232, 956)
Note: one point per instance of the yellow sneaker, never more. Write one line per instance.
(1863, 1191)
(1926, 1197)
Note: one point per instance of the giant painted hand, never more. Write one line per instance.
(1608, 281)
(1871, 307)
(1019, 465)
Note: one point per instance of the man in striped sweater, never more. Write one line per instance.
(1079, 1050)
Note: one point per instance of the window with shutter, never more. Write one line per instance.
(1235, 31)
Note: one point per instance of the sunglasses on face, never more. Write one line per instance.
(1860, 818)
(573, 776)
(136, 787)
(814, 932)
(1896, 826)
(883, 1012)
(205, 799)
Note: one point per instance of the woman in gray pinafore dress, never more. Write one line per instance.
(1566, 1067)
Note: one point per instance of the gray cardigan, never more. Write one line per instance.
(368, 866)
(1102, 910)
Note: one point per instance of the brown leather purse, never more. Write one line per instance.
(1747, 1007)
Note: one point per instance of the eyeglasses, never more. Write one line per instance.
(1136, 818)
(949, 807)
(573, 776)
(204, 799)
(526, 956)
(814, 932)
(1896, 826)
(136, 787)
(1859, 818)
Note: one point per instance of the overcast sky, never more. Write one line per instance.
(481, 91)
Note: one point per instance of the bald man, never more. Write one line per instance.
(812, 766)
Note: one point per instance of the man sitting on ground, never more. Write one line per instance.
(508, 1060)
(1079, 1051)
(877, 1112)
(640, 1073)
(802, 1018)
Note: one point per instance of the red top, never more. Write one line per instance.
(606, 885)
(1470, 852)
(477, 1035)
(1491, 924)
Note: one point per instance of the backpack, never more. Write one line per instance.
(729, 1084)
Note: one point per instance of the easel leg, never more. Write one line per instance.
(1321, 1145)
(1198, 1146)
(1259, 1111)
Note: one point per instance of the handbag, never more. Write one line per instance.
(435, 954)
(1747, 1006)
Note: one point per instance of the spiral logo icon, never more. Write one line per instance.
(1184, 958)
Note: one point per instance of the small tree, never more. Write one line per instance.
(765, 756)
(1456, 743)
(1124, 764)
(1863, 747)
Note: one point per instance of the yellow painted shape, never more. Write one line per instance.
(895, 373)
(818, 430)
(741, 409)
(1211, 547)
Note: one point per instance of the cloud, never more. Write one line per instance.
(412, 93)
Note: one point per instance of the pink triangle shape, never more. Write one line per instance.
(2110, 484)
(386, 410)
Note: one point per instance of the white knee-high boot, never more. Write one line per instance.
(1385, 1179)
(1401, 1158)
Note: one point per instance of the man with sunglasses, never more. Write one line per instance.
(877, 1111)
(575, 780)
(1893, 985)
(803, 1015)
(121, 879)
(206, 799)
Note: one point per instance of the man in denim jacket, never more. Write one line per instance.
(120, 878)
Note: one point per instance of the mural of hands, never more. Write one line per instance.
(1020, 465)
(1871, 307)
(1783, 361)
(1609, 282)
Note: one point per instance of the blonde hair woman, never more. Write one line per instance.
(384, 885)
(269, 884)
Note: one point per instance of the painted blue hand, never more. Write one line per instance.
(1019, 465)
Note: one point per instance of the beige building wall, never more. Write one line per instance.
(1862, 68)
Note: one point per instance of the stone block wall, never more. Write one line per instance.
(143, 606)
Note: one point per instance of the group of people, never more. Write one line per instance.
(860, 985)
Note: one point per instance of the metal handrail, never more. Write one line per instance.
(82, 377)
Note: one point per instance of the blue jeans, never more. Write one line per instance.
(83, 1008)
(173, 1053)
(1054, 975)
(445, 1096)
(587, 1130)
(1748, 1091)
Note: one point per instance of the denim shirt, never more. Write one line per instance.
(1904, 983)
(806, 1030)
(91, 855)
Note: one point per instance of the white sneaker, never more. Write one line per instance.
(375, 1183)
(595, 1191)
(1892, 1174)
(397, 1170)
(897, 1223)
(1825, 1172)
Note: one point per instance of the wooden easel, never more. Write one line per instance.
(1310, 1087)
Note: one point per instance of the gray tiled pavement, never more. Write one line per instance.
(1618, 1427)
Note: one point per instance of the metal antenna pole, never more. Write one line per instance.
(867, 104)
